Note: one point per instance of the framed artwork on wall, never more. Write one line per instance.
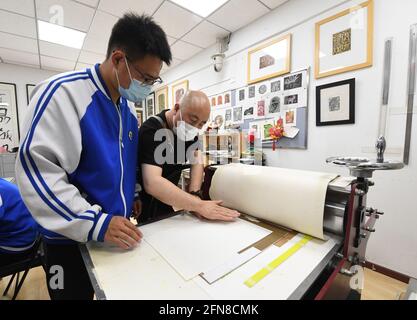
(140, 108)
(29, 88)
(218, 117)
(344, 41)
(269, 60)
(140, 116)
(213, 101)
(335, 103)
(161, 99)
(140, 105)
(178, 91)
(150, 105)
(266, 125)
(9, 116)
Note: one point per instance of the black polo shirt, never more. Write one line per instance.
(147, 148)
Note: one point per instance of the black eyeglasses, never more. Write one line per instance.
(147, 81)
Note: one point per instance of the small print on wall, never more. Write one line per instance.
(213, 101)
(249, 111)
(295, 90)
(274, 105)
(342, 41)
(261, 108)
(220, 100)
(276, 85)
(252, 92)
(242, 95)
(335, 103)
(218, 117)
(293, 81)
(228, 115)
(227, 99)
(238, 115)
(290, 119)
(263, 89)
(266, 126)
(266, 61)
(256, 129)
(291, 100)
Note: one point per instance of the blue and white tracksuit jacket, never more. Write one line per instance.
(18, 230)
(77, 159)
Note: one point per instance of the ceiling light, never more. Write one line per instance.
(60, 35)
(201, 7)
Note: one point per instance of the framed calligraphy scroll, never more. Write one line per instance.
(9, 117)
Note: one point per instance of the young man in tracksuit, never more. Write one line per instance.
(18, 230)
(77, 161)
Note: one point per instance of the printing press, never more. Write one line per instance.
(330, 270)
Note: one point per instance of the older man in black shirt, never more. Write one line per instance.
(166, 143)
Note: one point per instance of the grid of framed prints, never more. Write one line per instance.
(344, 41)
(258, 106)
(9, 117)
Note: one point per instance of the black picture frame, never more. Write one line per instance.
(151, 96)
(13, 85)
(352, 90)
(28, 86)
(141, 112)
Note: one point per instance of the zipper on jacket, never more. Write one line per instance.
(121, 158)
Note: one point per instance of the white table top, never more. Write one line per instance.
(143, 274)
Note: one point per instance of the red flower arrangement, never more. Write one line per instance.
(277, 132)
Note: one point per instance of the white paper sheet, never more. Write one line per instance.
(192, 246)
(225, 268)
(139, 274)
(291, 198)
(291, 132)
(277, 285)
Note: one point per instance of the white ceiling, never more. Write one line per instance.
(188, 33)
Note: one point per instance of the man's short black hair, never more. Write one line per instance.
(138, 36)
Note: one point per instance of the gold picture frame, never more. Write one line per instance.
(273, 68)
(178, 91)
(161, 99)
(345, 34)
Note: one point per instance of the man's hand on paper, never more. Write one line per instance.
(122, 233)
(212, 210)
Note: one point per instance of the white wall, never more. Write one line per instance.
(394, 245)
(21, 76)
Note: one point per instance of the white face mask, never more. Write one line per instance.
(185, 131)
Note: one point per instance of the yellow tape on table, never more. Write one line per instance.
(254, 279)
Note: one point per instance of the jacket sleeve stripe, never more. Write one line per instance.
(26, 151)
